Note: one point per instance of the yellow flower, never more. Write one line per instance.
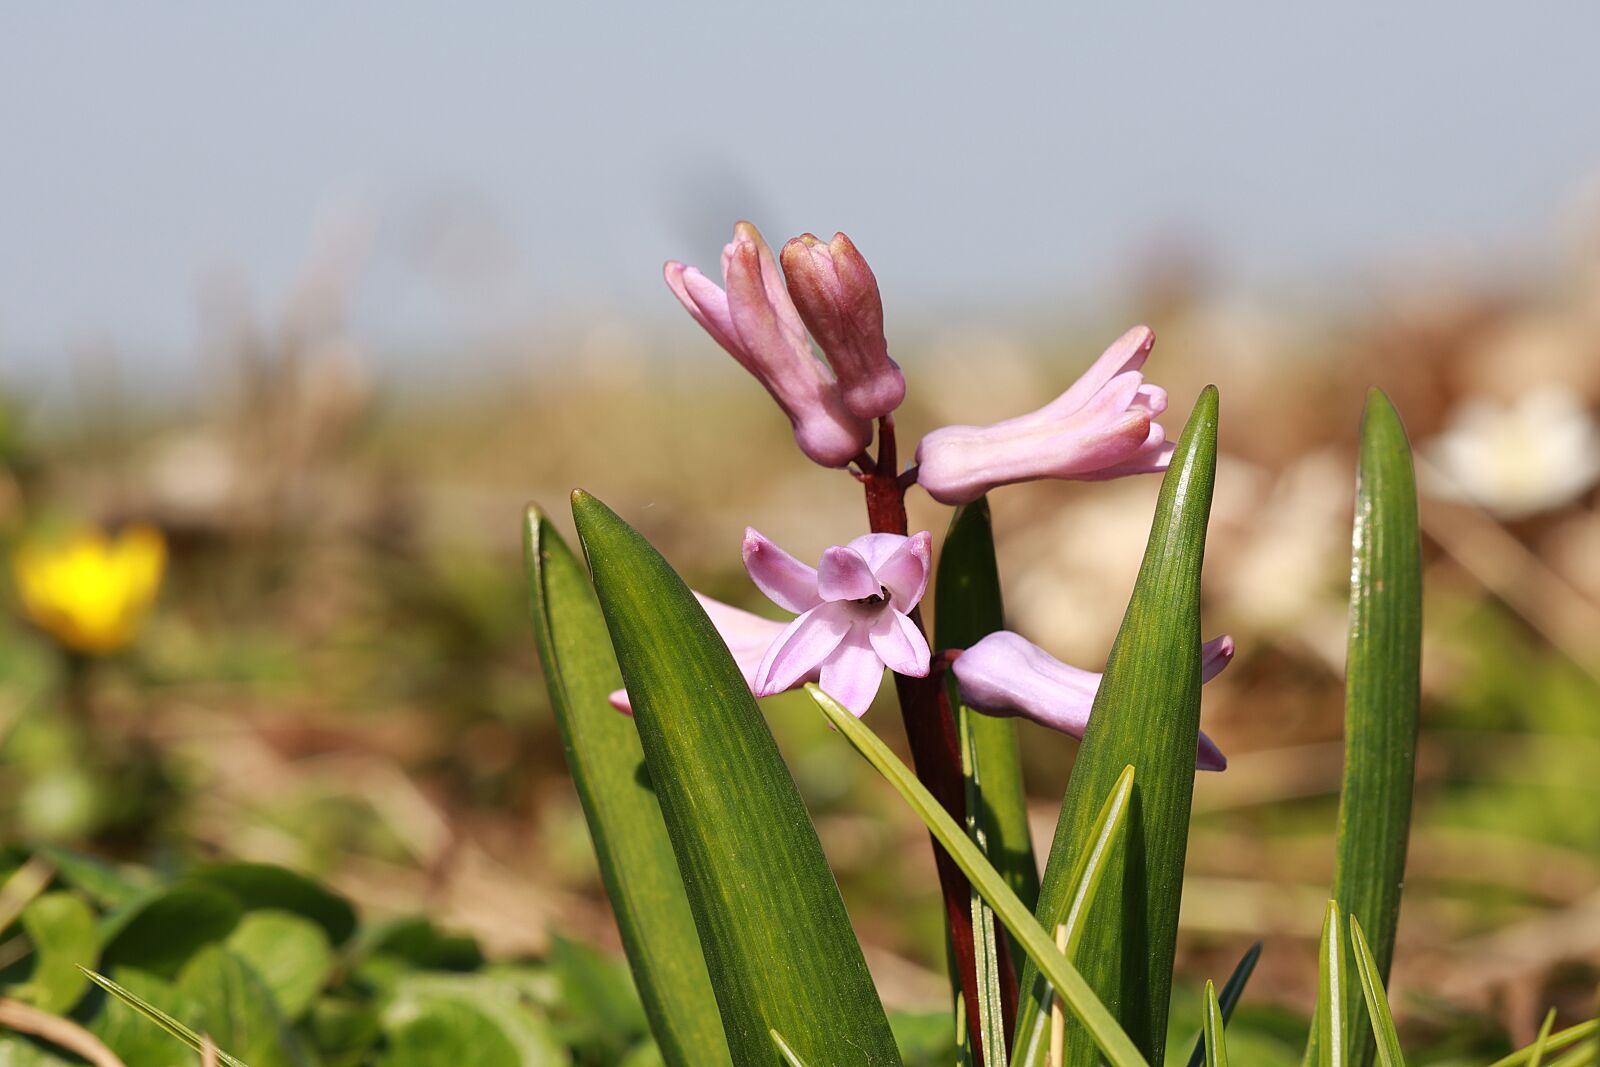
(88, 591)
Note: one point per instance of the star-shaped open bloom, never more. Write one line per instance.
(747, 635)
(1006, 674)
(1102, 427)
(853, 614)
(756, 321)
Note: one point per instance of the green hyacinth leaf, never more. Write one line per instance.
(1376, 998)
(1033, 1018)
(1212, 1032)
(968, 607)
(1328, 1021)
(636, 859)
(1146, 714)
(1113, 1044)
(1382, 694)
(986, 934)
(1228, 999)
(777, 941)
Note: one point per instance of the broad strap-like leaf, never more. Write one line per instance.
(1092, 865)
(1328, 1021)
(968, 607)
(778, 945)
(1147, 714)
(1232, 990)
(1216, 1043)
(1097, 1022)
(1382, 693)
(1377, 999)
(637, 863)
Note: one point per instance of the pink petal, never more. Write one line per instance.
(618, 698)
(786, 581)
(1126, 353)
(1005, 674)
(853, 673)
(709, 305)
(1209, 757)
(1151, 399)
(1215, 654)
(844, 575)
(905, 573)
(771, 281)
(803, 646)
(1149, 459)
(876, 548)
(899, 643)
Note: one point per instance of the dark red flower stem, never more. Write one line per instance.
(935, 750)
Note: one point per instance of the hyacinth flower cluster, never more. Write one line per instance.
(855, 611)
(693, 793)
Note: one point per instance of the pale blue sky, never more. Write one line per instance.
(523, 166)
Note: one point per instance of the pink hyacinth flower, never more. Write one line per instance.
(1005, 674)
(837, 296)
(756, 321)
(747, 635)
(1102, 427)
(853, 614)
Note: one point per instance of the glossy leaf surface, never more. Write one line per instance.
(1069, 984)
(604, 756)
(778, 945)
(1382, 693)
(1147, 715)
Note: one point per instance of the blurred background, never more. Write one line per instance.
(300, 305)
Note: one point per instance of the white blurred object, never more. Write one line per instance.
(1283, 550)
(1536, 454)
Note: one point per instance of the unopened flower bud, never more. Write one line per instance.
(837, 296)
(756, 322)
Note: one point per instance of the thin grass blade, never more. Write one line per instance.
(985, 934)
(1382, 694)
(1536, 1052)
(1087, 876)
(1216, 1044)
(1558, 1041)
(1147, 713)
(1328, 1023)
(606, 761)
(1232, 990)
(1097, 1022)
(1372, 991)
(778, 945)
(195, 1041)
